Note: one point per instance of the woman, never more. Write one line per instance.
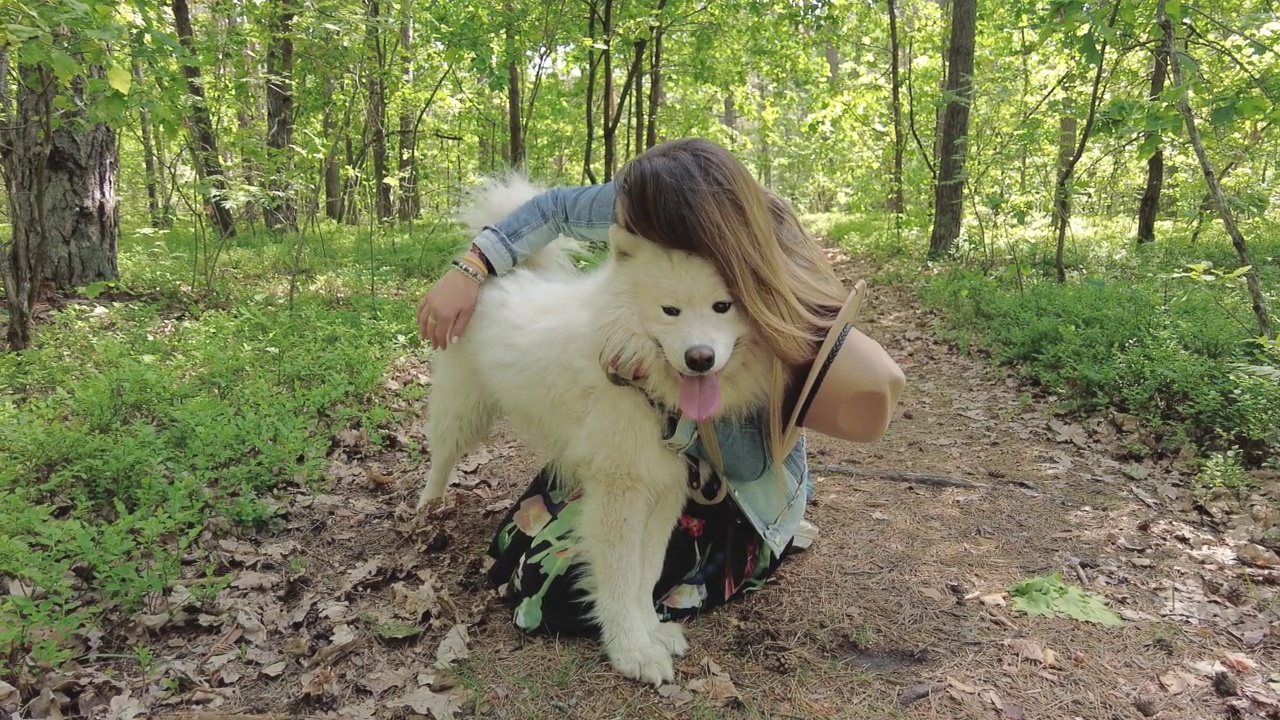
(694, 196)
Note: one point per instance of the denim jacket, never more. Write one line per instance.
(586, 213)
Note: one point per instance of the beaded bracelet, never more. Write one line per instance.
(475, 262)
(469, 271)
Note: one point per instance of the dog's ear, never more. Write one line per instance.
(625, 245)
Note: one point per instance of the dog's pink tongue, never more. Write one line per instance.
(699, 396)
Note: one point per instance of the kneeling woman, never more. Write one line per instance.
(749, 483)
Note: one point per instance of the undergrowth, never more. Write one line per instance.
(1163, 332)
(187, 394)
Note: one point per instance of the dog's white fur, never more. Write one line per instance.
(534, 352)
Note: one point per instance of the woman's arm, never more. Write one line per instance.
(583, 213)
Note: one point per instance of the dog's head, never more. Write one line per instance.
(687, 338)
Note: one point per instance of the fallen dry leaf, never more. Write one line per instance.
(1238, 662)
(472, 462)
(253, 580)
(9, 697)
(716, 685)
(962, 686)
(931, 593)
(320, 681)
(993, 600)
(124, 707)
(254, 631)
(441, 706)
(1175, 681)
(1028, 649)
(452, 647)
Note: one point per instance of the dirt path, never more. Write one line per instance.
(904, 592)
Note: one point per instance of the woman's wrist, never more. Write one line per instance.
(479, 255)
(474, 265)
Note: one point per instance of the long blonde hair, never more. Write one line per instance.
(694, 195)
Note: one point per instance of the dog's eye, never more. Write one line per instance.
(672, 311)
(722, 307)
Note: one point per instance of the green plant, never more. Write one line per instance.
(1049, 596)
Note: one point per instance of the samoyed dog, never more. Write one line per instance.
(537, 351)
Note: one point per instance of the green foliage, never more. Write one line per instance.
(1141, 332)
(1221, 470)
(133, 423)
(1048, 596)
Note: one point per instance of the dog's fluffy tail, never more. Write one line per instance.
(499, 196)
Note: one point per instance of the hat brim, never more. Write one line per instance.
(840, 328)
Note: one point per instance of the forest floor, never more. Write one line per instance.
(901, 608)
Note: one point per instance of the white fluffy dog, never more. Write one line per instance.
(536, 351)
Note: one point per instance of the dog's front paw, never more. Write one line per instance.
(671, 636)
(429, 500)
(647, 661)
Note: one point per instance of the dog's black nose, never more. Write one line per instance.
(700, 358)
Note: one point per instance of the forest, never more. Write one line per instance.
(219, 215)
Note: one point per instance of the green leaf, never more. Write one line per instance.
(1089, 49)
(64, 66)
(1149, 145)
(1173, 8)
(1223, 114)
(1251, 108)
(21, 33)
(119, 79)
(1049, 596)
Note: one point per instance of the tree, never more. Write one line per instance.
(205, 146)
(281, 211)
(1149, 206)
(1069, 159)
(1257, 298)
(948, 196)
(897, 203)
(59, 158)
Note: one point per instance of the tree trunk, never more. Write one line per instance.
(514, 71)
(610, 129)
(637, 97)
(897, 202)
(207, 161)
(332, 176)
(281, 211)
(148, 158)
(655, 79)
(1068, 136)
(1258, 300)
(61, 180)
(730, 117)
(377, 115)
(247, 140)
(410, 201)
(1062, 186)
(592, 63)
(948, 200)
(24, 152)
(1149, 207)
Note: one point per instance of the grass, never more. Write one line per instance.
(1160, 332)
(186, 403)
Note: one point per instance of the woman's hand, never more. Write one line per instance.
(443, 313)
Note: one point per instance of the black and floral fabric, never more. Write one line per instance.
(714, 556)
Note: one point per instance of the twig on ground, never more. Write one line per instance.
(935, 479)
(920, 692)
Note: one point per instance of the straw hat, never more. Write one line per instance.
(824, 403)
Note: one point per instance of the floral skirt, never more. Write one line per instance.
(714, 556)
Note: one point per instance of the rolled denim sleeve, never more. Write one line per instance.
(582, 213)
